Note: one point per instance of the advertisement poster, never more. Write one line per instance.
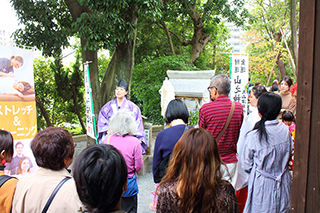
(239, 80)
(17, 106)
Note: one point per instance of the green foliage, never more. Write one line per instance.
(44, 87)
(147, 80)
(55, 93)
(103, 62)
(194, 117)
(107, 29)
(70, 89)
(269, 17)
(74, 130)
(216, 53)
(179, 17)
(49, 24)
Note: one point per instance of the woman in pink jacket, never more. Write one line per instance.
(122, 127)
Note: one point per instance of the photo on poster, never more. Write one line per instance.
(16, 74)
(18, 107)
(23, 162)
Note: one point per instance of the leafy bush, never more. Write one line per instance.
(147, 79)
(194, 117)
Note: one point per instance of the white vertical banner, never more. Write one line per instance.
(239, 80)
(91, 127)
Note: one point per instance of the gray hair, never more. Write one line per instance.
(222, 83)
(123, 123)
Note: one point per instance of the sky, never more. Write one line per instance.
(9, 20)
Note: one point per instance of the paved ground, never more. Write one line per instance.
(146, 187)
(145, 182)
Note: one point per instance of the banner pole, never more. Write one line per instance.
(91, 103)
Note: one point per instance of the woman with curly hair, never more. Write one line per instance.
(193, 181)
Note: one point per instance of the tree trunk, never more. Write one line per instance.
(279, 59)
(88, 55)
(92, 58)
(169, 37)
(214, 56)
(199, 39)
(294, 39)
(43, 111)
(76, 105)
(121, 64)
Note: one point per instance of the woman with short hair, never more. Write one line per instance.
(100, 173)
(122, 128)
(193, 181)
(53, 149)
(177, 116)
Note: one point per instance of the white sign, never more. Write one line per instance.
(239, 80)
(91, 131)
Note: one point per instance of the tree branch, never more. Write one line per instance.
(173, 33)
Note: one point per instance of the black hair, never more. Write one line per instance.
(176, 109)
(274, 88)
(6, 142)
(28, 88)
(100, 173)
(258, 90)
(269, 106)
(288, 116)
(288, 80)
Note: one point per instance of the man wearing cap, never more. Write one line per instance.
(121, 102)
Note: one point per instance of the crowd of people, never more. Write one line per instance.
(229, 163)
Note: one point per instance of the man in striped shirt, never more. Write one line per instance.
(213, 116)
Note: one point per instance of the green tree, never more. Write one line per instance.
(267, 38)
(105, 24)
(188, 26)
(70, 88)
(45, 91)
(60, 99)
(147, 80)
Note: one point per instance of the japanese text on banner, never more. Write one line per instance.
(239, 80)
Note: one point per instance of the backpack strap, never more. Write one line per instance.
(4, 178)
(45, 209)
(227, 122)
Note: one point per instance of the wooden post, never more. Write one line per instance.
(306, 171)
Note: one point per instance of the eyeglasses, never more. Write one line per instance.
(209, 88)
